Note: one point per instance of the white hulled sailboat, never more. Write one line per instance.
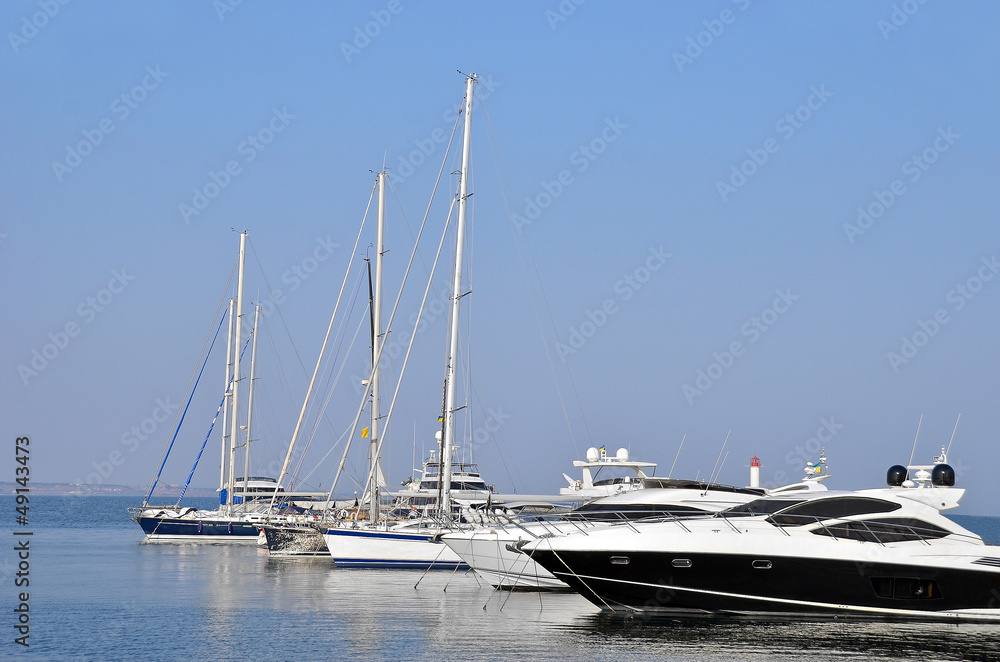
(415, 543)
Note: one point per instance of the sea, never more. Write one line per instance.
(97, 592)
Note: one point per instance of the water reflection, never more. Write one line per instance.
(820, 640)
(197, 601)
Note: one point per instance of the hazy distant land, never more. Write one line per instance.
(84, 489)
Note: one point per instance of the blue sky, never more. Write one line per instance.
(774, 219)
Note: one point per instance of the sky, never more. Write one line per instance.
(762, 228)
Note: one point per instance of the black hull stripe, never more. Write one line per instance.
(164, 528)
(730, 583)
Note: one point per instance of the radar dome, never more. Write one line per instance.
(622, 455)
(896, 475)
(593, 455)
(943, 475)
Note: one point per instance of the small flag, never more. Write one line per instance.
(364, 433)
(814, 470)
(440, 419)
(601, 450)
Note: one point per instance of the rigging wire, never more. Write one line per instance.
(392, 316)
(178, 428)
(178, 417)
(953, 433)
(711, 476)
(385, 429)
(331, 388)
(501, 174)
(319, 360)
(281, 315)
(212, 426)
(915, 437)
(671, 472)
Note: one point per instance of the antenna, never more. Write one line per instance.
(953, 433)
(677, 455)
(720, 455)
(914, 450)
(714, 477)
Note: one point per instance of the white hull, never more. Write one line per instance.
(490, 553)
(401, 546)
(493, 552)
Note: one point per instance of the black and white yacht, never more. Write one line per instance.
(880, 553)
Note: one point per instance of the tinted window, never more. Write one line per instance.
(760, 507)
(600, 511)
(433, 485)
(808, 512)
(890, 529)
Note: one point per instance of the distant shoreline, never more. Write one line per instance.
(83, 489)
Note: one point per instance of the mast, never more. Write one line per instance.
(234, 424)
(376, 474)
(456, 296)
(225, 401)
(253, 362)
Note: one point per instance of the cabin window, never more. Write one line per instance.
(433, 485)
(601, 511)
(906, 588)
(681, 563)
(760, 507)
(886, 530)
(814, 510)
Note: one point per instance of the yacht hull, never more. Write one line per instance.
(494, 555)
(707, 583)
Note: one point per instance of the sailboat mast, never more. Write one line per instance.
(376, 474)
(253, 363)
(456, 295)
(225, 401)
(235, 424)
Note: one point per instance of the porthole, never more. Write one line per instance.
(681, 563)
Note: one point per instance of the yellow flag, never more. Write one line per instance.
(364, 433)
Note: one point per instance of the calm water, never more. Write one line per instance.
(98, 594)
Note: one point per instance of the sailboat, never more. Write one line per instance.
(297, 537)
(416, 543)
(244, 500)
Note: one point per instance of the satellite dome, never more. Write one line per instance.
(593, 455)
(896, 475)
(622, 455)
(943, 475)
